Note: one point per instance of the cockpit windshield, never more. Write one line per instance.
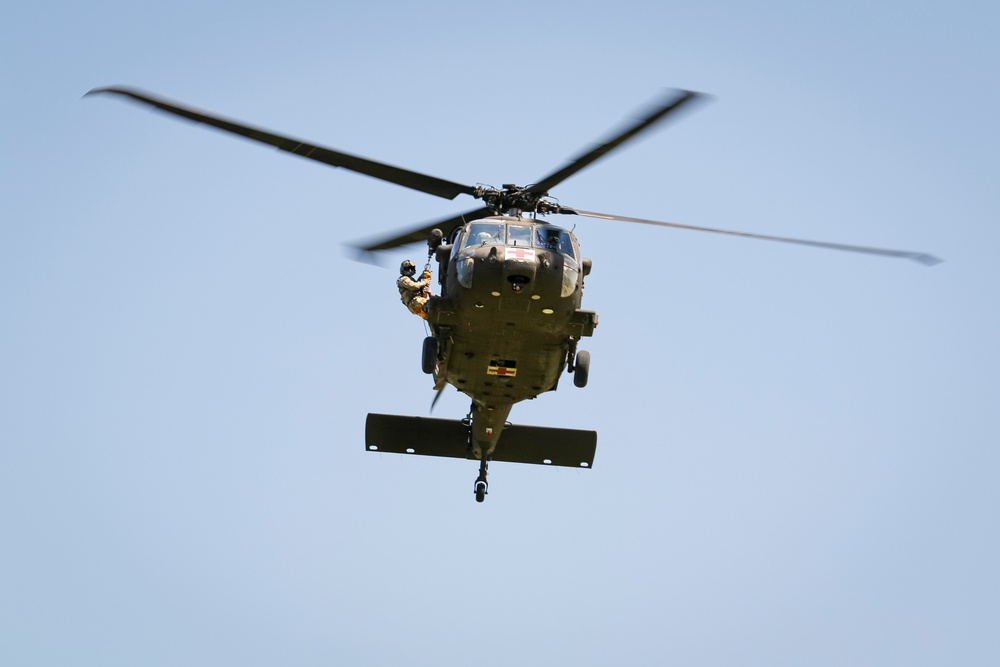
(554, 239)
(522, 236)
(519, 235)
(486, 233)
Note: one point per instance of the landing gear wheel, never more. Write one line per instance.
(581, 369)
(481, 485)
(429, 358)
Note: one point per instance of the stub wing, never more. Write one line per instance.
(423, 436)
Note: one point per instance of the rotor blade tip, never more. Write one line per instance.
(928, 260)
(114, 90)
(105, 89)
(685, 93)
(359, 254)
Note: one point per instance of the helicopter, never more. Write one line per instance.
(507, 322)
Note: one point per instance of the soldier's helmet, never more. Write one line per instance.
(407, 268)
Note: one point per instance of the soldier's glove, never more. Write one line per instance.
(425, 275)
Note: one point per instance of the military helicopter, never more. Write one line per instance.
(508, 319)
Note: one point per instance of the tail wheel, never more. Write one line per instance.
(581, 368)
(429, 358)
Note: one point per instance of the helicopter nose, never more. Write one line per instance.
(519, 270)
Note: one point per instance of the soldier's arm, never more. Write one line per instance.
(410, 284)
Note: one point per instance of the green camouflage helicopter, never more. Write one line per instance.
(508, 318)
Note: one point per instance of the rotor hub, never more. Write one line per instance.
(513, 198)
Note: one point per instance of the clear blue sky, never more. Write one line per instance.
(798, 453)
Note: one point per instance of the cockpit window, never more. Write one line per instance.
(519, 235)
(485, 233)
(554, 239)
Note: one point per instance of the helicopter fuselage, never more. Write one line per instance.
(508, 318)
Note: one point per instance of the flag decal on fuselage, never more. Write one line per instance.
(505, 367)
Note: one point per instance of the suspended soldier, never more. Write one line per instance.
(413, 293)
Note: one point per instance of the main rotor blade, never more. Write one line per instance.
(420, 234)
(923, 258)
(656, 115)
(408, 179)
